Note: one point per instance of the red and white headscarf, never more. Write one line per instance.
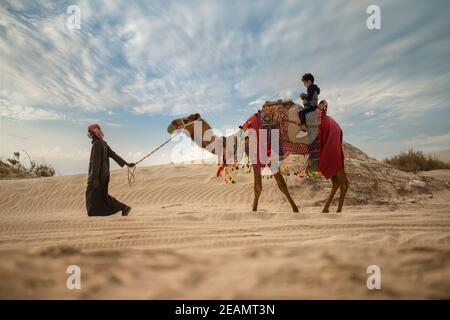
(96, 130)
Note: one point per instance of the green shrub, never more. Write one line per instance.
(415, 160)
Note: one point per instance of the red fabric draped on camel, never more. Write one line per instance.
(331, 159)
(254, 122)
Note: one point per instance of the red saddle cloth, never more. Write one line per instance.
(331, 159)
(254, 122)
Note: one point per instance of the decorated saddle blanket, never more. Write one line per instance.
(300, 156)
(283, 115)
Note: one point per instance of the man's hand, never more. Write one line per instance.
(302, 96)
(130, 165)
(95, 183)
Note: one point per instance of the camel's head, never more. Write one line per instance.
(183, 122)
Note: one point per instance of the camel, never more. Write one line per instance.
(339, 180)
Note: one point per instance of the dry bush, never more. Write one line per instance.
(415, 160)
(13, 168)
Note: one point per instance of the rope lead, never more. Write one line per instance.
(130, 174)
(131, 171)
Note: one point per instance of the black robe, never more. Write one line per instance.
(98, 202)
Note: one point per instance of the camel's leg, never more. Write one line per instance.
(335, 186)
(257, 184)
(343, 182)
(283, 187)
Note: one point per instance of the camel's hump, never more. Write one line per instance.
(279, 102)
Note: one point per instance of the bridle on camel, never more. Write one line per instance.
(131, 171)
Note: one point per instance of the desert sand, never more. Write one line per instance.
(190, 236)
(443, 175)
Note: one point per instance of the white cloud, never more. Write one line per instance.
(430, 142)
(28, 113)
(60, 153)
(174, 58)
(45, 64)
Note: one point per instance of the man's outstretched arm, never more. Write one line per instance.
(116, 157)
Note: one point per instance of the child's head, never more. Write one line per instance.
(308, 79)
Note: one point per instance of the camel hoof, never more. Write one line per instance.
(325, 211)
(295, 209)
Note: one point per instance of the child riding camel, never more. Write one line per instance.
(310, 98)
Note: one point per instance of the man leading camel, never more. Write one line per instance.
(98, 201)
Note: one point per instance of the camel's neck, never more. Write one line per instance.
(201, 134)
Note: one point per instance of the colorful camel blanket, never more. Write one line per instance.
(300, 156)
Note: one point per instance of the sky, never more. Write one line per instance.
(134, 66)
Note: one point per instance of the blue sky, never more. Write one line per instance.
(136, 65)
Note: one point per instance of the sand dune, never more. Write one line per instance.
(191, 236)
(442, 175)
